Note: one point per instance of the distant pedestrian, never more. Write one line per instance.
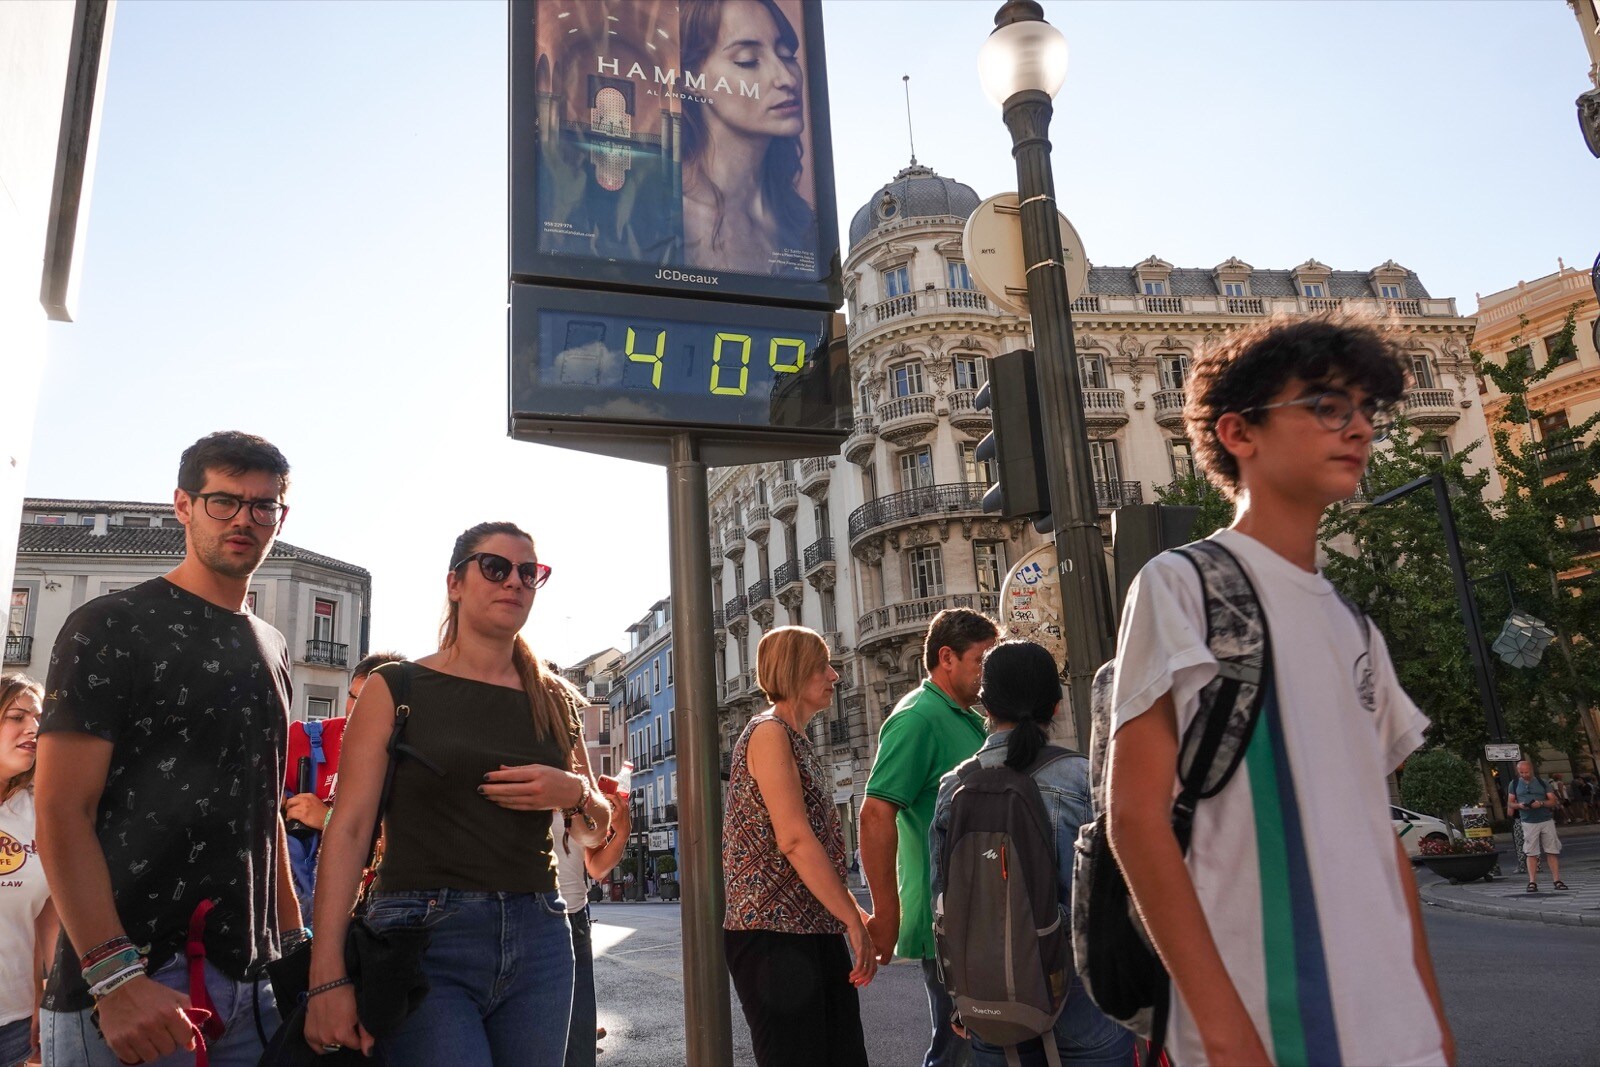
(1534, 800)
(1271, 957)
(1585, 796)
(795, 938)
(1022, 694)
(932, 729)
(493, 747)
(28, 925)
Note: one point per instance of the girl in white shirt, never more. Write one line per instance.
(28, 925)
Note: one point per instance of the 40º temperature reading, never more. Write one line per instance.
(730, 358)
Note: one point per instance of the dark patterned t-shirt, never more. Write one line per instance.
(764, 891)
(195, 700)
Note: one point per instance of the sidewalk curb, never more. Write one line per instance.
(1500, 911)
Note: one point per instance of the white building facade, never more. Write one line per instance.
(72, 551)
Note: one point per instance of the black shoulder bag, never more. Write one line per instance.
(385, 966)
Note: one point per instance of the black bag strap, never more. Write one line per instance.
(399, 681)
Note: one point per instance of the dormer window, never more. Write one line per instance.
(1391, 292)
(1155, 288)
(1313, 290)
(1233, 289)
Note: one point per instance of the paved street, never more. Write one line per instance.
(1518, 993)
(1508, 897)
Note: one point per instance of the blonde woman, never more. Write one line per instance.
(791, 927)
(467, 853)
(28, 925)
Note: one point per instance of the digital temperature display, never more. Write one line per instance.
(668, 362)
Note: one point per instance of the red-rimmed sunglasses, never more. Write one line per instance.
(497, 568)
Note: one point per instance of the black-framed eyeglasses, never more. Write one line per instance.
(497, 568)
(224, 506)
(1335, 410)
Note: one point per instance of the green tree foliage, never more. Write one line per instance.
(1195, 490)
(1439, 782)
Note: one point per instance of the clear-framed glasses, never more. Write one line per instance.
(497, 568)
(1335, 411)
(224, 506)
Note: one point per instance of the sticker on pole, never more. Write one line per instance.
(1030, 602)
(1502, 753)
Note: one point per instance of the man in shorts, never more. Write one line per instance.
(1534, 801)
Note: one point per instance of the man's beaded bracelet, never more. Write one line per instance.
(111, 965)
(116, 981)
(104, 950)
(324, 987)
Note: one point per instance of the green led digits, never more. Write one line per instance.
(649, 357)
(743, 340)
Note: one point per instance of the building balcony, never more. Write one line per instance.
(719, 621)
(757, 523)
(1169, 407)
(669, 747)
(1244, 305)
(785, 500)
(603, 738)
(637, 706)
(733, 541)
(1106, 409)
(838, 732)
(942, 303)
(1100, 304)
(1431, 408)
(669, 813)
(1161, 305)
(716, 553)
(1315, 304)
(931, 501)
(1111, 495)
(818, 559)
(760, 597)
(787, 574)
(655, 752)
(1585, 542)
(1560, 456)
(858, 447)
(327, 653)
(736, 686)
(906, 420)
(815, 473)
(19, 650)
(910, 618)
(965, 416)
(737, 608)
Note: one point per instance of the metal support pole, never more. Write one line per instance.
(1088, 618)
(707, 1017)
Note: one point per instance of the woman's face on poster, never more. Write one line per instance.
(748, 49)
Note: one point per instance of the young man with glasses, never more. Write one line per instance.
(161, 766)
(1273, 956)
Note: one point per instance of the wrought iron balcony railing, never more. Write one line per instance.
(915, 504)
(327, 653)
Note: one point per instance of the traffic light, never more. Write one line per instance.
(1015, 444)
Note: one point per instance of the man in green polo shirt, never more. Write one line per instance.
(932, 729)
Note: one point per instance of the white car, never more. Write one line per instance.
(1414, 827)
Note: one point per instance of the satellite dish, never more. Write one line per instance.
(991, 244)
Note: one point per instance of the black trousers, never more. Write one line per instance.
(797, 998)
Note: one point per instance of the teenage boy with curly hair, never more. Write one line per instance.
(1291, 929)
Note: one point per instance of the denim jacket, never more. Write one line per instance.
(1064, 785)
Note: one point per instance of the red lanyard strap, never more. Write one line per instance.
(208, 1027)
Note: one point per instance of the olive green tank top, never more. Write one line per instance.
(439, 831)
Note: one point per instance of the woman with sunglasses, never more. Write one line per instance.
(468, 852)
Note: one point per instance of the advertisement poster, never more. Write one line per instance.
(678, 144)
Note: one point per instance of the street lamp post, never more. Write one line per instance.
(1022, 66)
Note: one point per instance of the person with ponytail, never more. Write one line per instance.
(1021, 693)
(493, 751)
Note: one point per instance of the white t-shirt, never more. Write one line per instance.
(569, 870)
(22, 896)
(1294, 861)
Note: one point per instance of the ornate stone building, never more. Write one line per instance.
(869, 545)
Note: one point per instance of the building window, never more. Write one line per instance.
(657, 679)
(1389, 292)
(86, 520)
(973, 470)
(864, 399)
(1553, 425)
(54, 520)
(1312, 290)
(1174, 371)
(897, 282)
(669, 666)
(1437, 446)
(906, 379)
(1103, 460)
(1155, 288)
(1555, 343)
(17, 621)
(136, 521)
(927, 572)
(960, 278)
(1233, 288)
(1181, 456)
(971, 372)
(1421, 371)
(1092, 371)
(916, 469)
(322, 620)
(830, 616)
(989, 560)
(318, 708)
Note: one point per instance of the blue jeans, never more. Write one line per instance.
(70, 1039)
(1084, 1036)
(580, 1034)
(16, 1041)
(945, 1049)
(499, 970)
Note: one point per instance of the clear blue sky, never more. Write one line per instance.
(298, 228)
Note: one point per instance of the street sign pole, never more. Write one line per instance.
(707, 1015)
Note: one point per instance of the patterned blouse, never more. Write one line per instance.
(764, 891)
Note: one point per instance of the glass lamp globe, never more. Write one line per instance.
(1030, 54)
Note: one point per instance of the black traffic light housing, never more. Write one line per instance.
(1015, 444)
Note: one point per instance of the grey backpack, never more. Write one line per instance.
(1003, 953)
